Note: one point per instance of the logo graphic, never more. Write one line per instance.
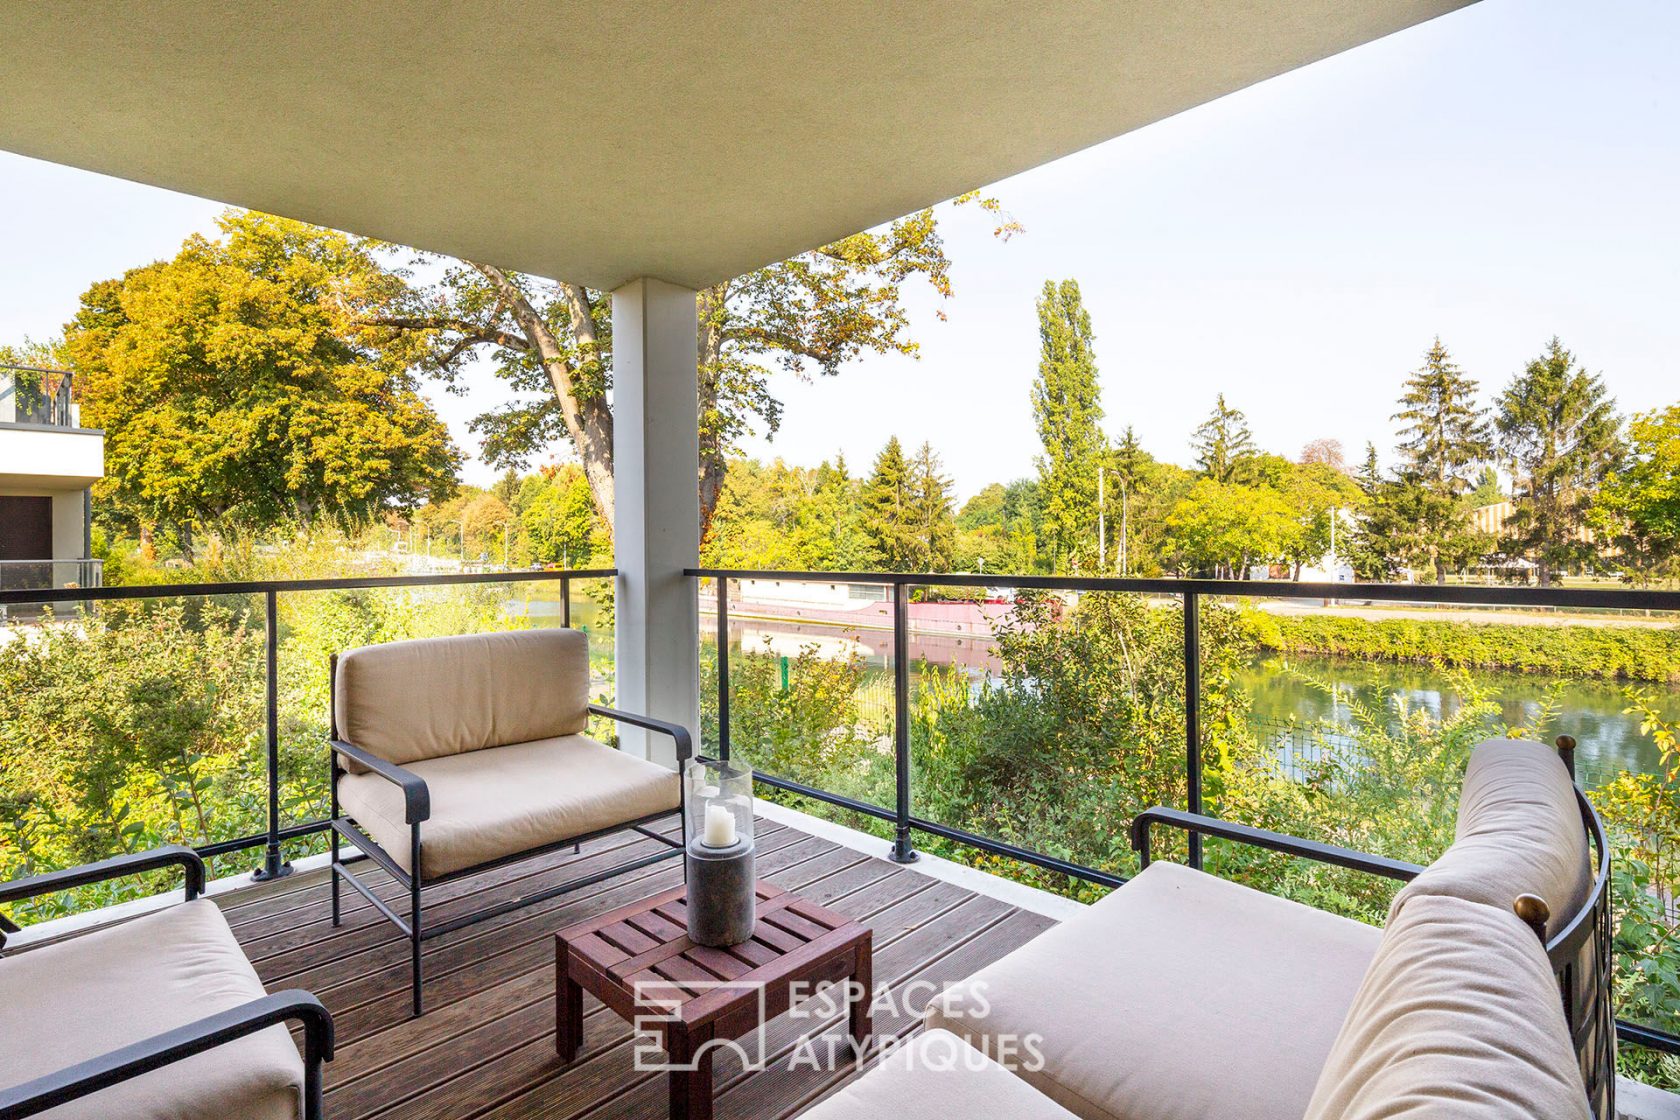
(663, 1000)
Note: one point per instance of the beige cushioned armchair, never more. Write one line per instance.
(1182, 996)
(158, 1018)
(453, 755)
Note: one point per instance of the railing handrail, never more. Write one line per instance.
(66, 374)
(261, 586)
(1190, 592)
(270, 840)
(1481, 595)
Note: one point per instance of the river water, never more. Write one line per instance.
(1595, 712)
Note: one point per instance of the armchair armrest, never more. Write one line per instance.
(1264, 838)
(685, 742)
(133, 863)
(417, 799)
(119, 1065)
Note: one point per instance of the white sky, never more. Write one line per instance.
(1500, 174)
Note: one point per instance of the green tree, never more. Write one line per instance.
(888, 519)
(559, 520)
(997, 529)
(907, 511)
(1128, 462)
(1068, 412)
(1315, 492)
(552, 341)
(1487, 491)
(930, 508)
(1224, 445)
(1444, 434)
(1226, 528)
(238, 387)
(1640, 503)
(1560, 437)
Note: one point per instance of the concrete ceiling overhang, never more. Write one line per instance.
(600, 142)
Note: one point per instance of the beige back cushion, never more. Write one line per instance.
(1458, 1017)
(1519, 832)
(409, 701)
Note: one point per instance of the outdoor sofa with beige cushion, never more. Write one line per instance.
(158, 1018)
(1182, 996)
(454, 755)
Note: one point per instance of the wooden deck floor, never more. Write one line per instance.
(485, 1047)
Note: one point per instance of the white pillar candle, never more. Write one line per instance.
(720, 827)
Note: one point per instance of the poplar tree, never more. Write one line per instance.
(1067, 411)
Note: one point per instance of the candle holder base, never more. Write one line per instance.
(722, 896)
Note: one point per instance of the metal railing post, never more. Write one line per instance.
(902, 852)
(274, 867)
(723, 667)
(1193, 715)
(566, 602)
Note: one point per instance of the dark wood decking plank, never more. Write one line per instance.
(305, 891)
(485, 1048)
(471, 959)
(337, 962)
(557, 1097)
(288, 951)
(586, 1079)
(377, 1045)
(816, 1028)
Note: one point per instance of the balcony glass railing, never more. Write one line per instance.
(37, 396)
(34, 575)
(1018, 725)
(1015, 725)
(196, 714)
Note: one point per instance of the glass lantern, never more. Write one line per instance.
(719, 803)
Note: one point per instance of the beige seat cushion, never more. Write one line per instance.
(1180, 996)
(502, 801)
(1460, 1018)
(67, 1002)
(937, 1074)
(409, 701)
(1519, 832)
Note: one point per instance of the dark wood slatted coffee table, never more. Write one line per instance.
(639, 961)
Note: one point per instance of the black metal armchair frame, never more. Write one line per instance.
(418, 808)
(94, 1074)
(1580, 953)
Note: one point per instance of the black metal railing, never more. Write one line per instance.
(1190, 593)
(30, 395)
(270, 840)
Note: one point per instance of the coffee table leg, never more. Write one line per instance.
(568, 1010)
(691, 1089)
(863, 974)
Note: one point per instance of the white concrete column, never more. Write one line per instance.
(656, 522)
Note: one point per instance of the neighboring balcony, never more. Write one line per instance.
(25, 575)
(48, 463)
(42, 443)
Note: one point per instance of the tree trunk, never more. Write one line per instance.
(710, 307)
(583, 407)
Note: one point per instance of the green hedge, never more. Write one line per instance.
(1634, 653)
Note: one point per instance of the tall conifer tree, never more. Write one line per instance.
(1560, 437)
